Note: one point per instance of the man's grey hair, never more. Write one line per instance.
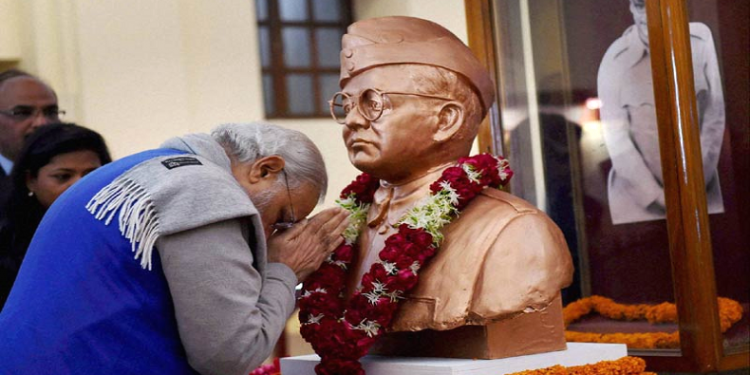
(248, 142)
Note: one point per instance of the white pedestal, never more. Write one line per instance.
(576, 355)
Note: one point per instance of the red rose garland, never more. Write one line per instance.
(342, 331)
(269, 369)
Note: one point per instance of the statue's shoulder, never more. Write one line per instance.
(500, 212)
(493, 211)
(505, 201)
(493, 204)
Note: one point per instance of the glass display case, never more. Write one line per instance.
(627, 122)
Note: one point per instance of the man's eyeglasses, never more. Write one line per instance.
(370, 103)
(23, 113)
(284, 225)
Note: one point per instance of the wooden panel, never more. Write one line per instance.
(479, 25)
(687, 218)
(735, 361)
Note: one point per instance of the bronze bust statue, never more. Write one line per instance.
(493, 289)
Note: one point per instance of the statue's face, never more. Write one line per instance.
(397, 144)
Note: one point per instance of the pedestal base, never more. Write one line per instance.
(577, 354)
(528, 333)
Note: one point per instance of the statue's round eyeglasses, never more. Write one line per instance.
(370, 103)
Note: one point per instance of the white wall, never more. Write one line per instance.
(133, 72)
(10, 43)
(141, 71)
(448, 13)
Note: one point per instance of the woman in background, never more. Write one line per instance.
(53, 158)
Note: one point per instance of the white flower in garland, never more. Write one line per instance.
(472, 174)
(370, 327)
(415, 267)
(314, 319)
(357, 217)
(502, 167)
(378, 287)
(450, 192)
(308, 293)
(337, 263)
(434, 212)
(372, 297)
(394, 296)
(390, 268)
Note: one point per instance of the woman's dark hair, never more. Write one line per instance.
(20, 213)
(51, 140)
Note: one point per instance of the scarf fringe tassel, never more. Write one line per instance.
(137, 215)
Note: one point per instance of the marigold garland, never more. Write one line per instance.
(343, 331)
(622, 366)
(730, 312)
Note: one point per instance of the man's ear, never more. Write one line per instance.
(266, 167)
(450, 119)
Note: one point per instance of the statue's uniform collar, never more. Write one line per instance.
(393, 201)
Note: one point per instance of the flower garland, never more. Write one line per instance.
(342, 331)
(730, 312)
(622, 366)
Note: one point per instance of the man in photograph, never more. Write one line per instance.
(635, 184)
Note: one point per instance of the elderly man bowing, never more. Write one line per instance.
(177, 260)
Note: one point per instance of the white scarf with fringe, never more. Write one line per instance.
(152, 200)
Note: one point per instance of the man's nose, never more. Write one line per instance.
(40, 120)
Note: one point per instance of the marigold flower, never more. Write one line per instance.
(622, 366)
(730, 312)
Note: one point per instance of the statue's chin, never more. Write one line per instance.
(363, 161)
(372, 167)
(368, 167)
(381, 166)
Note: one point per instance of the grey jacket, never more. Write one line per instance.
(231, 305)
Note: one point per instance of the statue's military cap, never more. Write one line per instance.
(407, 40)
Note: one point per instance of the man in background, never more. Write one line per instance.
(635, 184)
(26, 103)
